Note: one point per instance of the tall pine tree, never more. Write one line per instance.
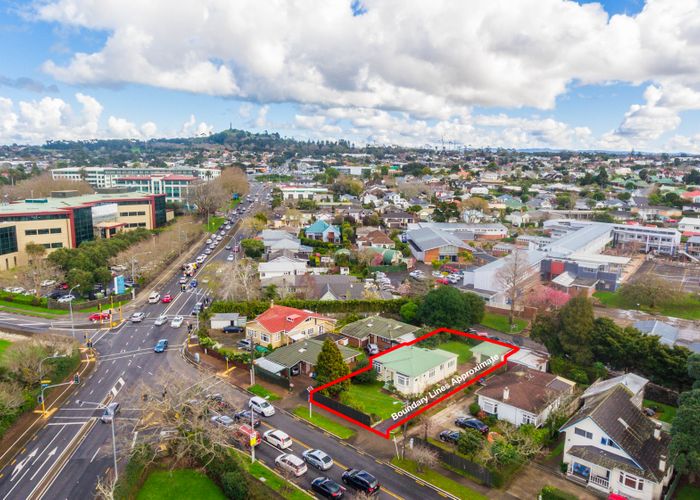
(330, 366)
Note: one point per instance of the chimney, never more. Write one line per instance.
(662, 463)
(657, 431)
(506, 393)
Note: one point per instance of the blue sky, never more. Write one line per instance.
(524, 88)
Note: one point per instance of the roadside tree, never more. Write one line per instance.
(513, 277)
(329, 367)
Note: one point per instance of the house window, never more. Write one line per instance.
(608, 442)
(582, 433)
(431, 373)
(401, 379)
(631, 481)
(264, 337)
(451, 363)
(529, 419)
(320, 329)
(490, 407)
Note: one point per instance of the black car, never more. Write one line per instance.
(472, 423)
(244, 417)
(326, 487)
(361, 480)
(233, 329)
(449, 436)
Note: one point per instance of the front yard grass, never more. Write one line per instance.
(664, 412)
(179, 483)
(324, 422)
(259, 390)
(462, 349)
(688, 492)
(439, 480)
(374, 400)
(500, 322)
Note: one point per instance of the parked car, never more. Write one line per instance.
(137, 317)
(100, 316)
(110, 412)
(472, 423)
(449, 436)
(361, 480)
(372, 349)
(167, 298)
(223, 420)
(442, 281)
(161, 346)
(327, 488)
(47, 283)
(244, 344)
(233, 329)
(261, 406)
(291, 463)
(176, 322)
(278, 438)
(318, 458)
(244, 434)
(161, 320)
(66, 298)
(245, 416)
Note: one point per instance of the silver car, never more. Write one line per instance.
(318, 458)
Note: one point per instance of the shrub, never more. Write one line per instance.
(474, 408)
(234, 485)
(352, 402)
(367, 377)
(552, 493)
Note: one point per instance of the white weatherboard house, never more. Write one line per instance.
(413, 370)
(282, 266)
(611, 446)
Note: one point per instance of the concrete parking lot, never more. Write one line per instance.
(684, 275)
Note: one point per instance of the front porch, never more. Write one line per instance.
(589, 475)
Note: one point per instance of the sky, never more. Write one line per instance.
(612, 75)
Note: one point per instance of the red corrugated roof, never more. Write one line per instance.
(278, 318)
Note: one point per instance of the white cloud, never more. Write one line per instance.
(191, 128)
(121, 128)
(261, 119)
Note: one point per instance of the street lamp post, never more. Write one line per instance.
(53, 356)
(101, 406)
(70, 307)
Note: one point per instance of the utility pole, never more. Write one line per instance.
(101, 406)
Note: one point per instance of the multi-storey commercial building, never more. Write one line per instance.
(290, 192)
(65, 220)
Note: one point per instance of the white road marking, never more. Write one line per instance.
(48, 457)
(93, 457)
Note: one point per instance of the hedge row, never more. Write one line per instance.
(552, 493)
(29, 300)
(254, 308)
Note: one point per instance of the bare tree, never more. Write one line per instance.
(240, 281)
(513, 277)
(233, 180)
(42, 186)
(252, 225)
(11, 397)
(207, 197)
(39, 269)
(105, 487)
(424, 457)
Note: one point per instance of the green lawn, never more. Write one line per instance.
(259, 390)
(500, 322)
(374, 400)
(462, 349)
(324, 422)
(7, 305)
(437, 479)
(179, 484)
(687, 308)
(214, 224)
(665, 413)
(274, 482)
(688, 492)
(4, 344)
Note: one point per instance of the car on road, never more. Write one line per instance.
(449, 436)
(327, 488)
(223, 420)
(183, 280)
(161, 345)
(100, 316)
(361, 480)
(233, 329)
(230, 257)
(245, 416)
(110, 412)
(237, 248)
(193, 284)
(207, 251)
(208, 242)
(291, 463)
(66, 298)
(154, 298)
(472, 423)
(278, 438)
(167, 298)
(176, 322)
(137, 317)
(244, 433)
(196, 309)
(261, 406)
(227, 247)
(161, 320)
(318, 458)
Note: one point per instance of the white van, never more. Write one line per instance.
(153, 298)
(261, 406)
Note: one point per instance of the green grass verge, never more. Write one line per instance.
(274, 482)
(6, 304)
(688, 492)
(437, 479)
(4, 344)
(214, 224)
(664, 412)
(179, 484)
(500, 322)
(374, 400)
(686, 308)
(557, 450)
(259, 390)
(324, 422)
(462, 349)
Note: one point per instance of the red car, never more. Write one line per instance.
(167, 298)
(442, 281)
(63, 286)
(98, 316)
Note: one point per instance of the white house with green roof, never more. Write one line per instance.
(485, 350)
(413, 370)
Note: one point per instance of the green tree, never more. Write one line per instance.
(366, 377)
(685, 438)
(470, 442)
(84, 279)
(409, 312)
(576, 319)
(448, 307)
(329, 367)
(694, 369)
(253, 248)
(270, 292)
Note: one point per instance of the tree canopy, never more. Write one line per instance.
(449, 308)
(329, 367)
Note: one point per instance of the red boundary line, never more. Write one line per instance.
(386, 435)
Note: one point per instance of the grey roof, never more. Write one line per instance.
(578, 239)
(428, 238)
(604, 458)
(632, 381)
(226, 316)
(694, 239)
(378, 325)
(667, 333)
(305, 350)
(614, 412)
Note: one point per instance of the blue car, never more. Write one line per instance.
(193, 283)
(161, 346)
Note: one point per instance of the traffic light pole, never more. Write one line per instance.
(75, 381)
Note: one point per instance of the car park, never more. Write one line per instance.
(110, 412)
(327, 488)
(278, 438)
(472, 423)
(167, 298)
(318, 458)
(245, 416)
(291, 463)
(154, 298)
(137, 317)
(161, 345)
(361, 480)
(223, 420)
(261, 406)
(176, 322)
(100, 316)
(449, 436)
(161, 320)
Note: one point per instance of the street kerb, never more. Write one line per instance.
(452, 391)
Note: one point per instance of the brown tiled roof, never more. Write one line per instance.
(529, 390)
